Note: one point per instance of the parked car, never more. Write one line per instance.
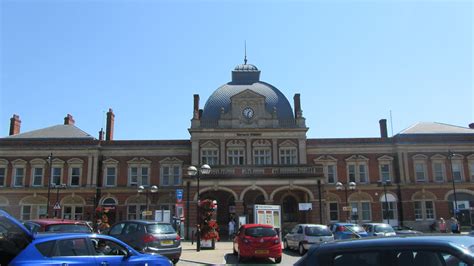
(347, 230)
(149, 237)
(58, 226)
(19, 246)
(302, 236)
(405, 230)
(379, 229)
(257, 241)
(419, 250)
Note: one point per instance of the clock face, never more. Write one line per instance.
(248, 112)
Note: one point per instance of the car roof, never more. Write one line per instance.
(56, 221)
(313, 225)
(143, 222)
(245, 226)
(440, 240)
(375, 224)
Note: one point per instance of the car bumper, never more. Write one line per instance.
(171, 253)
(273, 252)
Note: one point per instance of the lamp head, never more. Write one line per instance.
(192, 170)
(141, 189)
(205, 169)
(339, 186)
(153, 189)
(352, 185)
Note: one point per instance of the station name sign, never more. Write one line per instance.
(249, 134)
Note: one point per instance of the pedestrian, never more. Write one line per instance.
(455, 226)
(442, 225)
(231, 228)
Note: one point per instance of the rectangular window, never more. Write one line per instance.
(75, 176)
(67, 212)
(418, 210)
(288, 156)
(366, 215)
(78, 212)
(352, 172)
(19, 177)
(420, 172)
(209, 157)
(132, 212)
(144, 176)
(42, 211)
(56, 180)
(3, 172)
(438, 173)
(139, 176)
(133, 175)
(471, 168)
(26, 212)
(111, 177)
(385, 172)
(362, 174)
(235, 156)
(429, 210)
(457, 171)
(261, 157)
(333, 211)
(176, 175)
(37, 176)
(331, 173)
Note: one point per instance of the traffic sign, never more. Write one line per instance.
(147, 213)
(57, 206)
(346, 208)
(179, 195)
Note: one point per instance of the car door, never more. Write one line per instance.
(112, 253)
(72, 251)
(116, 231)
(299, 236)
(290, 239)
(130, 235)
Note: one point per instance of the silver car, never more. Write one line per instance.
(379, 229)
(149, 237)
(302, 236)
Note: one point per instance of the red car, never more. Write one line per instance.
(58, 225)
(257, 241)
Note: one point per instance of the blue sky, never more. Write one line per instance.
(352, 62)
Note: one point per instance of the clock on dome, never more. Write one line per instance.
(248, 112)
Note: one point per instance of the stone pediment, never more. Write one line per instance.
(247, 94)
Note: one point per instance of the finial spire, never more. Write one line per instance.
(245, 47)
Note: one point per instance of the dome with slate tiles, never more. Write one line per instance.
(247, 77)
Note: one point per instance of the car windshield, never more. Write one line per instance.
(72, 228)
(354, 227)
(317, 231)
(260, 231)
(160, 229)
(383, 228)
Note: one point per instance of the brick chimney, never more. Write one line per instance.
(196, 114)
(15, 124)
(297, 103)
(471, 125)
(109, 134)
(383, 128)
(68, 120)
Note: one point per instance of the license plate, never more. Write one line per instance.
(167, 242)
(261, 251)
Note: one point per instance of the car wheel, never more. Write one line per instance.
(285, 245)
(175, 261)
(301, 249)
(278, 260)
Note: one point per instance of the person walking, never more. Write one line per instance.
(442, 225)
(231, 228)
(455, 226)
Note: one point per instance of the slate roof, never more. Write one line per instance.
(54, 132)
(435, 128)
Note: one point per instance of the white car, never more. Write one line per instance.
(379, 229)
(302, 236)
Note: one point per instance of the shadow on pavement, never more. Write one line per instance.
(232, 259)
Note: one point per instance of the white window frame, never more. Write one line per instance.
(139, 208)
(457, 167)
(210, 156)
(74, 214)
(357, 162)
(107, 176)
(35, 175)
(235, 156)
(385, 175)
(439, 175)
(110, 163)
(423, 212)
(174, 179)
(140, 164)
(23, 212)
(420, 160)
(54, 176)
(78, 175)
(3, 176)
(17, 175)
(337, 204)
(262, 156)
(288, 155)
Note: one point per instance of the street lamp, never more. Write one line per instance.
(385, 184)
(152, 189)
(193, 171)
(352, 186)
(58, 187)
(450, 156)
(50, 158)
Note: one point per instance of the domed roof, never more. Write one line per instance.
(246, 77)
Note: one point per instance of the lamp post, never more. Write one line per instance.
(193, 171)
(58, 187)
(50, 158)
(450, 156)
(152, 189)
(387, 213)
(351, 186)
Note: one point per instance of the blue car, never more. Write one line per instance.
(347, 231)
(18, 246)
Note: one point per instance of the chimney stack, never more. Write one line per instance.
(68, 120)
(101, 134)
(109, 134)
(383, 128)
(297, 103)
(196, 114)
(15, 124)
(471, 125)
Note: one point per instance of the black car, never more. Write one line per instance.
(432, 250)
